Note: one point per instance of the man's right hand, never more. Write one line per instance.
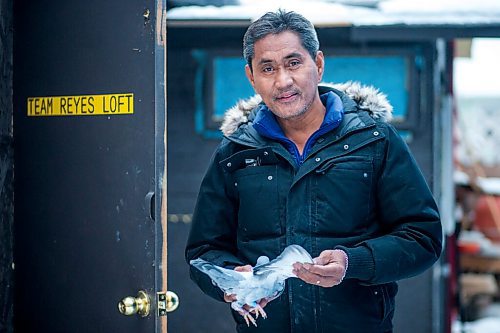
(231, 298)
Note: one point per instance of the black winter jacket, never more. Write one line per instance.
(359, 190)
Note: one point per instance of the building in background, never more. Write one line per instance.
(405, 49)
(477, 181)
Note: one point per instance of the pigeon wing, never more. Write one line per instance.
(283, 264)
(226, 279)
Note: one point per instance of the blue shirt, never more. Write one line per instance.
(265, 124)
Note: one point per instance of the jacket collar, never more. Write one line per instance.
(354, 96)
(265, 124)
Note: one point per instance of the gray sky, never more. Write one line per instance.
(480, 74)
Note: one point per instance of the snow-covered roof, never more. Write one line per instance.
(355, 12)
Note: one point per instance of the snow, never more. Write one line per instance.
(476, 133)
(318, 12)
(435, 7)
(485, 325)
(323, 12)
(461, 178)
(489, 185)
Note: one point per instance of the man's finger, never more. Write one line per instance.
(306, 275)
(246, 268)
(325, 257)
(320, 261)
(332, 269)
(263, 302)
(318, 280)
(229, 298)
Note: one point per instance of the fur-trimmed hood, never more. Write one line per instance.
(367, 98)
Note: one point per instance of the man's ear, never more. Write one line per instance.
(320, 64)
(249, 74)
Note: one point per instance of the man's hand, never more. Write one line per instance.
(231, 298)
(328, 269)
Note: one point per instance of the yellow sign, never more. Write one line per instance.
(83, 105)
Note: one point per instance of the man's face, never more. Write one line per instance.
(285, 75)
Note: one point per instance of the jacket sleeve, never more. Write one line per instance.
(213, 231)
(412, 233)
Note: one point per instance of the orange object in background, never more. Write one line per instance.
(487, 216)
(469, 247)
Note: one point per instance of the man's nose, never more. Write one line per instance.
(283, 79)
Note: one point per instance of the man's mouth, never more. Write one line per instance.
(286, 97)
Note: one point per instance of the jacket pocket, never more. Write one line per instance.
(342, 195)
(345, 162)
(258, 213)
(385, 299)
(342, 307)
(249, 158)
(388, 293)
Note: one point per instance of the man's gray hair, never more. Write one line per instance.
(275, 23)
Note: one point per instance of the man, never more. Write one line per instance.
(320, 167)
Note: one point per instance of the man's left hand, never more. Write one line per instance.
(328, 269)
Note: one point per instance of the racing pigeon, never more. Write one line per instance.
(266, 280)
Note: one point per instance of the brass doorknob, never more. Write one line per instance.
(172, 301)
(140, 305)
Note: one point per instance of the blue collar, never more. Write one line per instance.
(266, 125)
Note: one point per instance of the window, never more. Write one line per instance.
(221, 81)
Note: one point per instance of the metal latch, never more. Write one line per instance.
(167, 302)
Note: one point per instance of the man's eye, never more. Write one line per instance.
(267, 69)
(294, 63)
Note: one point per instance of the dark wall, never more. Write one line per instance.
(6, 167)
(188, 157)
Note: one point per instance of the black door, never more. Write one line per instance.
(89, 154)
